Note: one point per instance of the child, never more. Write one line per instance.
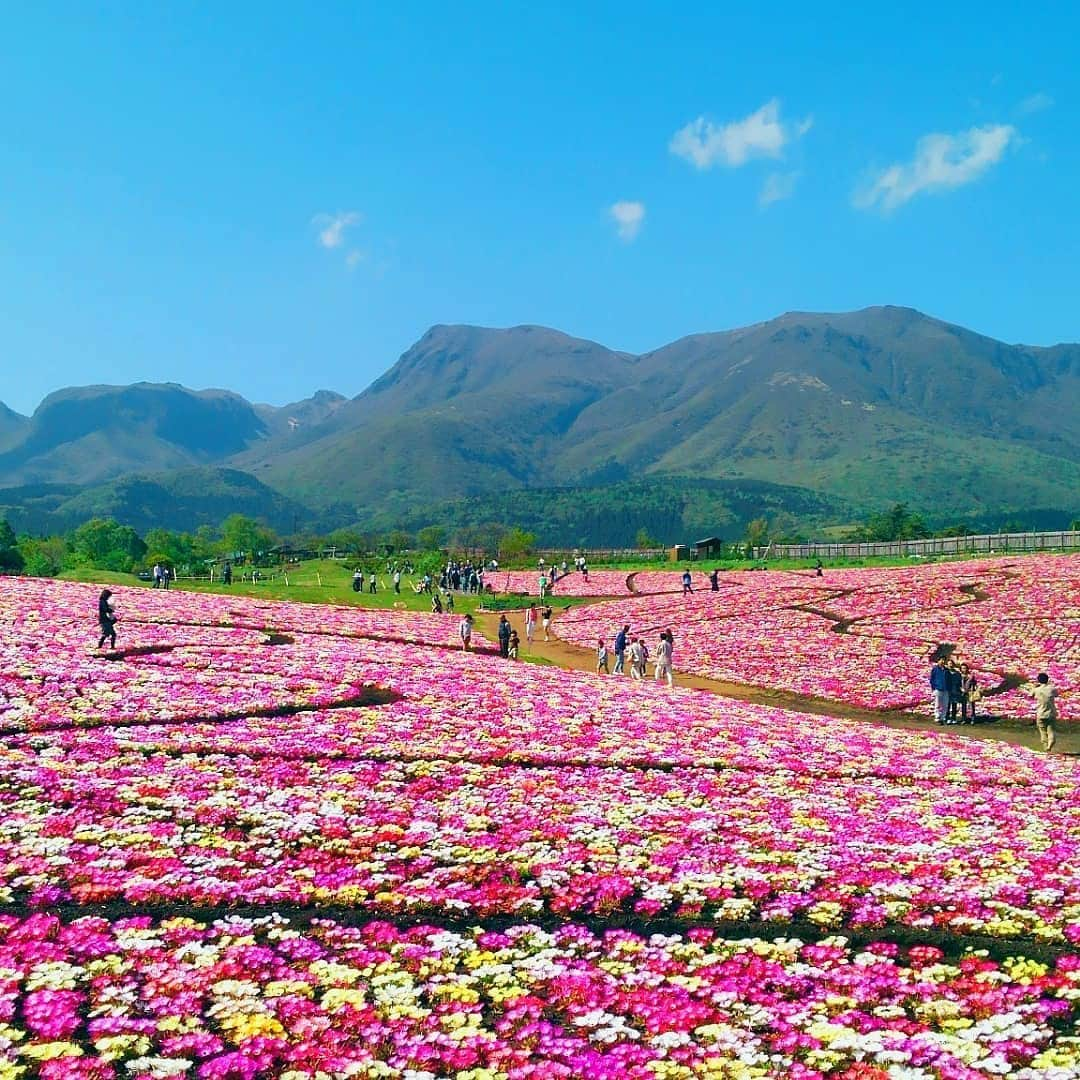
(601, 657)
(515, 643)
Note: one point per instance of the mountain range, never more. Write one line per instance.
(823, 416)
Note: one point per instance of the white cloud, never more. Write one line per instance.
(777, 187)
(332, 227)
(628, 218)
(1035, 103)
(941, 162)
(352, 260)
(762, 134)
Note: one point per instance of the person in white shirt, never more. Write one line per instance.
(465, 632)
(663, 660)
(1045, 696)
(638, 657)
(530, 625)
(601, 657)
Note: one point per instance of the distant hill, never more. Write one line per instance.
(833, 414)
(182, 499)
(12, 426)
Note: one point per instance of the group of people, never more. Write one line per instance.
(162, 576)
(956, 692)
(639, 654)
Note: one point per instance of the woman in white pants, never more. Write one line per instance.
(530, 625)
(663, 660)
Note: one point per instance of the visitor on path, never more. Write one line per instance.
(166, 577)
(969, 688)
(450, 603)
(637, 659)
(687, 583)
(504, 636)
(436, 604)
(714, 580)
(1045, 696)
(620, 650)
(226, 576)
(397, 581)
(373, 585)
(663, 660)
(530, 624)
(106, 619)
(515, 645)
(819, 569)
(543, 586)
(939, 685)
(157, 575)
(601, 657)
(955, 691)
(358, 580)
(545, 616)
(465, 631)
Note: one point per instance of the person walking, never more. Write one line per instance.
(601, 657)
(687, 583)
(530, 624)
(436, 604)
(397, 581)
(663, 660)
(372, 584)
(465, 631)
(514, 646)
(357, 579)
(939, 685)
(620, 650)
(106, 619)
(638, 658)
(157, 575)
(714, 580)
(1045, 696)
(545, 616)
(504, 636)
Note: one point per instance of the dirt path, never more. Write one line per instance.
(575, 658)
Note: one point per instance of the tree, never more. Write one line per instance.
(243, 537)
(899, 522)
(11, 559)
(645, 541)
(106, 545)
(431, 538)
(1074, 525)
(516, 543)
(757, 533)
(398, 540)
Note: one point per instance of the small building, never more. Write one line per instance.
(712, 547)
(679, 553)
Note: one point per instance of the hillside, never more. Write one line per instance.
(842, 413)
(872, 407)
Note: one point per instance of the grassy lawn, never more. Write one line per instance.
(323, 581)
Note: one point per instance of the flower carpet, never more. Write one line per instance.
(865, 637)
(282, 841)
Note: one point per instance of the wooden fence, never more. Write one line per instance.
(990, 543)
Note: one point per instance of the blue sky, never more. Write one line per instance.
(277, 199)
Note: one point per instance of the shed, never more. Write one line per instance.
(711, 547)
(679, 553)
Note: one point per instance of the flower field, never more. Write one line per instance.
(598, 583)
(865, 637)
(281, 841)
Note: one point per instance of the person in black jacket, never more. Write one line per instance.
(504, 637)
(956, 693)
(106, 619)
